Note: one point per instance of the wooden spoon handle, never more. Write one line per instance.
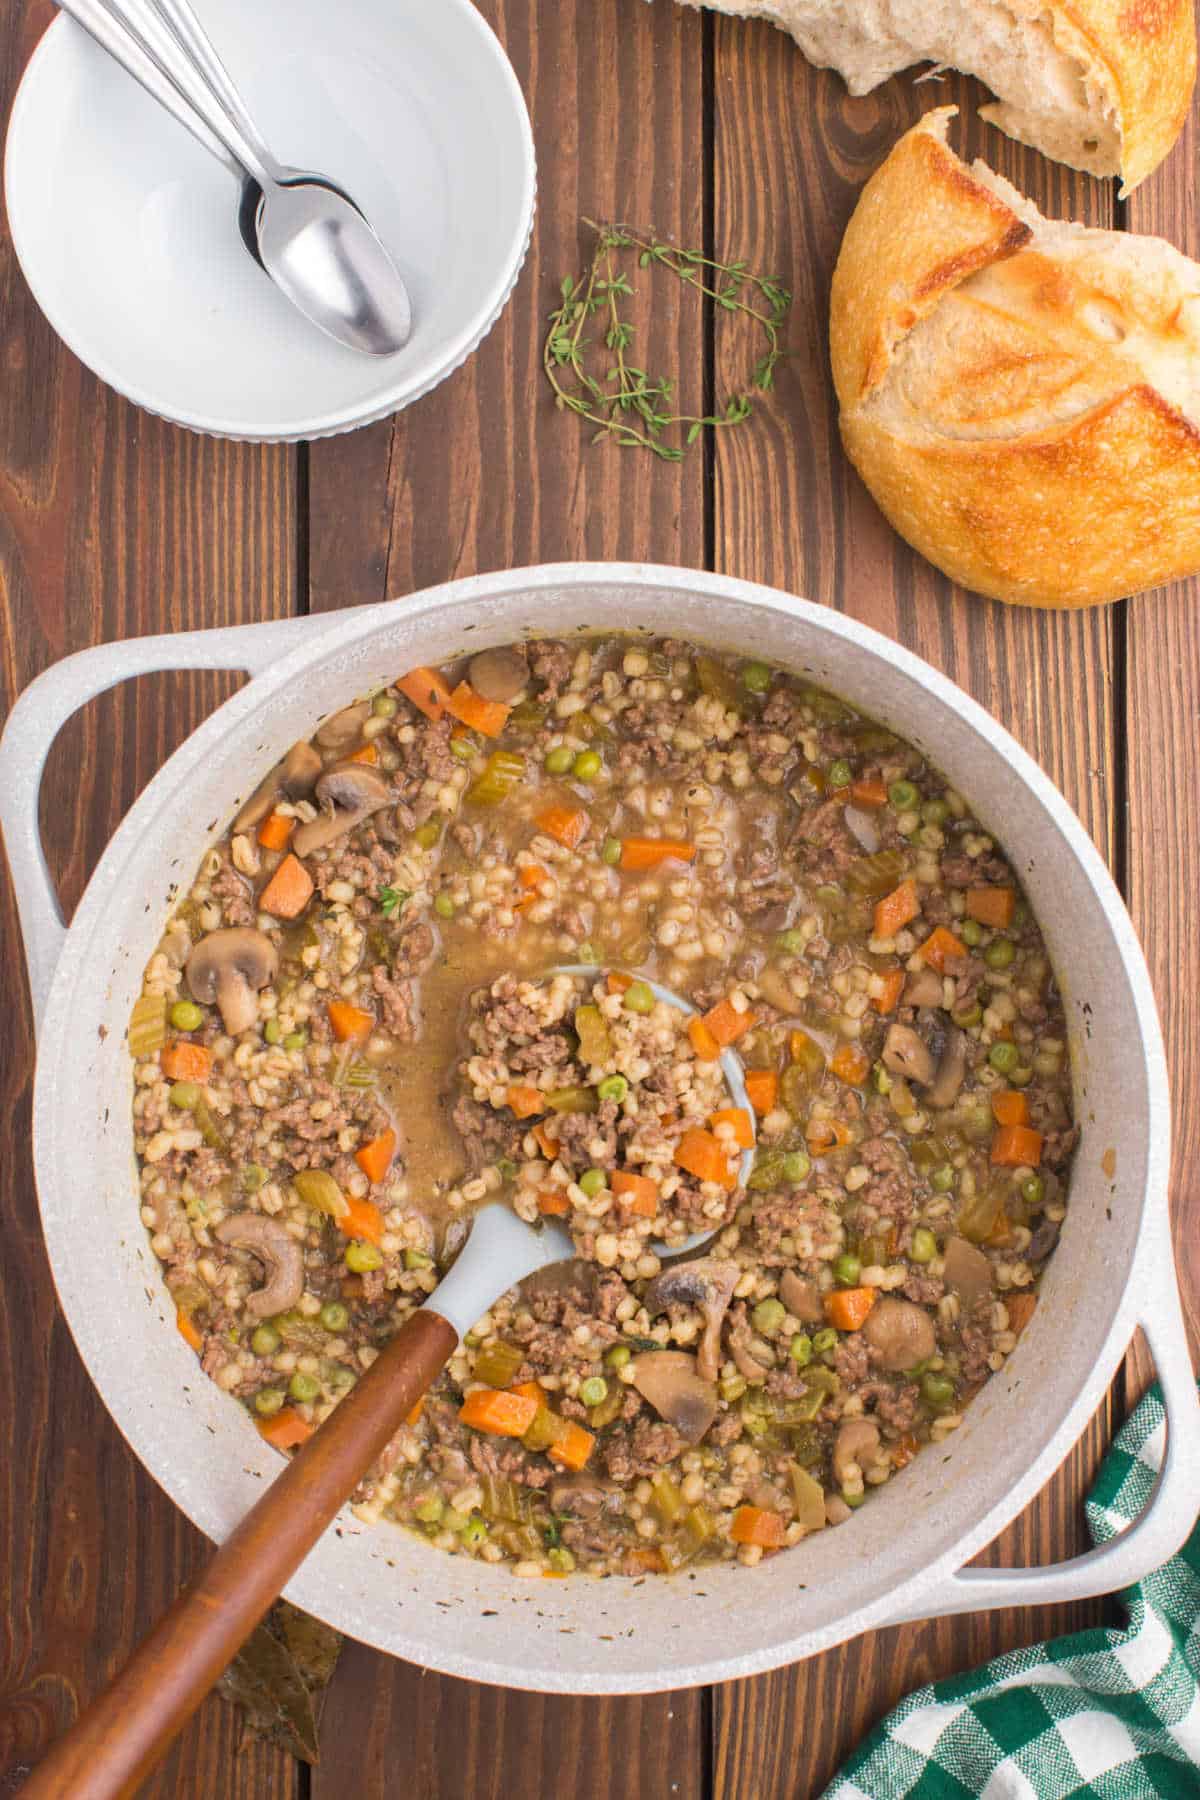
(123, 1733)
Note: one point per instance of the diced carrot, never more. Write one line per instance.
(565, 826)
(413, 1416)
(186, 1062)
(941, 947)
(375, 1158)
(427, 691)
(645, 1562)
(553, 1203)
(348, 1021)
(532, 1390)
(532, 875)
(488, 717)
(757, 1525)
(545, 1142)
(897, 909)
(851, 1064)
(703, 1156)
(824, 1135)
(361, 1219)
(888, 999)
(648, 853)
(703, 1042)
(1002, 1231)
(1015, 1145)
(499, 1411)
(904, 1450)
(1020, 1309)
(275, 831)
(289, 890)
(619, 983)
(868, 793)
(554, 1574)
(848, 1307)
(636, 1193)
(992, 905)
(526, 1102)
(287, 1429)
(739, 1118)
(189, 1331)
(762, 1090)
(1010, 1107)
(726, 1023)
(366, 753)
(573, 1448)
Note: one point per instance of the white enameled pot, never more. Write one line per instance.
(902, 1557)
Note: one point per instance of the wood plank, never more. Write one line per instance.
(486, 473)
(110, 523)
(1163, 715)
(790, 511)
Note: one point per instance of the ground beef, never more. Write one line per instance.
(894, 1189)
(895, 1408)
(976, 1348)
(486, 1134)
(551, 665)
(361, 860)
(926, 1290)
(784, 1220)
(310, 1143)
(588, 1140)
(726, 1428)
(852, 1360)
(228, 887)
(628, 1455)
(821, 843)
(397, 991)
(506, 1461)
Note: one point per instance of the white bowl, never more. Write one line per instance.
(903, 1555)
(127, 229)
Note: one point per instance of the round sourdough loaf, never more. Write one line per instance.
(1021, 396)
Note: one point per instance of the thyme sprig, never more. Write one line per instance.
(629, 404)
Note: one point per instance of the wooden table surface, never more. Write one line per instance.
(710, 132)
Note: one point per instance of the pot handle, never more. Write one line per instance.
(1166, 1519)
(44, 708)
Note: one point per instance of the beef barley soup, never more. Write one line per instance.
(368, 1017)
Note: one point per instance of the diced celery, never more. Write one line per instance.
(573, 1100)
(147, 1026)
(595, 1046)
(502, 772)
(317, 1188)
(498, 1363)
(666, 1498)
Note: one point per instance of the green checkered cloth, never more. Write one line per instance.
(1109, 1714)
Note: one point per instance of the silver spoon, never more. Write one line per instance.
(308, 235)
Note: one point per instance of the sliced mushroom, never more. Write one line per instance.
(863, 827)
(900, 1332)
(580, 1496)
(230, 967)
(706, 1283)
(802, 1298)
(277, 1251)
(924, 988)
(951, 1069)
(906, 1053)
(967, 1273)
(669, 1380)
(294, 776)
(747, 1363)
(348, 794)
(498, 674)
(341, 732)
(856, 1444)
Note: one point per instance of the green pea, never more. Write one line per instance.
(795, 1166)
(639, 997)
(840, 773)
(824, 1340)
(1033, 1190)
(266, 1341)
(790, 942)
(593, 1390)
(1004, 1057)
(1000, 953)
(417, 1259)
(335, 1316)
(429, 1510)
(186, 1094)
(847, 1268)
(768, 1316)
(587, 765)
(970, 931)
(185, 1015)
(361, 1257)
(1022, 1076)
(923, 1248)
(268, 1401)
(968, 1015)
(559, 760)
(295, 1040)
(935, 812)
(384, 707)
(473, 1532)
(253, 1177)
(560, 1559)
(453, 1520)
(613, 1087)
(591, 1181)
(942, 1179)
(443, 906)
(854, 1501)
(618, 1356)
(341, 1380)
(610, 851)
(757, 677)
(272, 1031)
(429, 834)
(937, 1390)
(801, 1349)
(304, 1388)
(587, 952)
(903, 796)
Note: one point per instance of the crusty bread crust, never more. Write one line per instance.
(1021, 397)
(1149, 50)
